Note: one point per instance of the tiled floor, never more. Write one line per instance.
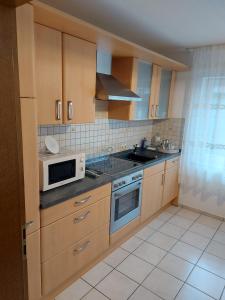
(179, 255)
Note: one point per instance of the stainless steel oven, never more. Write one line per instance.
(126, 200)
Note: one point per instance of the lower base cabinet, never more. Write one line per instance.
(34, 265)
(72, 260)
(171, 185)
(152, 195)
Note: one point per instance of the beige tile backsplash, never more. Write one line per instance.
(107, 136)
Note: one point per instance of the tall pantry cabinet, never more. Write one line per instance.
(25, 42)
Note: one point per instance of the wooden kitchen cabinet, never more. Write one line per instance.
(136, 75)
(34, 265)
(79, 76)
(152, 191)
(65, 77)
(171, 186)
(162, 87)
(25, 46)
(48, 53)
(30, 163)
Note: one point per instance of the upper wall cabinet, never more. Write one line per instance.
(25, 45)
(151, 82)
(135, 75)
(161, 92)
(79, 75)
(65, 77)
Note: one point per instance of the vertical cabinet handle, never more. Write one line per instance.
(70, 110)
(58, 109)
(156, 111)
(163, 179)
(152, 111)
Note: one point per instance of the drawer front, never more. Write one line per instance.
(61, 234)
(52, 214)
(174, 162)
(60, 268)
(154, 169)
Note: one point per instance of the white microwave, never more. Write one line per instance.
(59, 169)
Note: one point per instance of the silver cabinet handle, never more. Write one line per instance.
(58, 109)
(81, 248)
(82, 201)
(28, 224)
(81, 218)
(156, 111)
(152, 111)
(70, 110)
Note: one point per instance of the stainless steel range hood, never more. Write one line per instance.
(109, 88)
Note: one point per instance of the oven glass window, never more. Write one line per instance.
(61, 171)
(126, 203)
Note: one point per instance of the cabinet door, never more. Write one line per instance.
(34, 266)
(154, 95)
(30, 163)
(162, 104)
(151, 195)
(48, 46)
(25, 45)
(79, 76)
(144, 74)
(171, 186)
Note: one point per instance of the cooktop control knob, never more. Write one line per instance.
(116, 185)
(123, 182)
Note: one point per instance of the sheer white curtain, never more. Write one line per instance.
(202, 173)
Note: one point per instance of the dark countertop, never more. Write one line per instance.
(68, 191)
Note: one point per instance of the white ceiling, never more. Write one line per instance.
(162, 25)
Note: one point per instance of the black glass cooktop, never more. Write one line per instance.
(111, 165)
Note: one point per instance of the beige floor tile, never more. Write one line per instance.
(162, 284)
(186, 213)
(76, 291)
(216, 249)
(207, 282)
(162, 241)
(223, 296)
(213, 264)
(172, 230)
(209, 221)
(165, 216)
(186, 252)
(203, 230)
(173, 209)
(150, 253)
(143, 294)
(176, 266)
(189, 293)
(135, 268)
(195, 240)
(94, 295)
(116, 257)
(222, 227)
(132, 244)
(219, 236)
(156, 223)
(181, 221)
(117, 286)
(145, 233)
(97, 273)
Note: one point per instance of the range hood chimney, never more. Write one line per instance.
(107, 86)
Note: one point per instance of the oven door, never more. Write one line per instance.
(126, 205)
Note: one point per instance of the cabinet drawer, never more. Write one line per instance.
(174, 162)
(69, 230)
(154, 169)
(58, 269)
(52, 214)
